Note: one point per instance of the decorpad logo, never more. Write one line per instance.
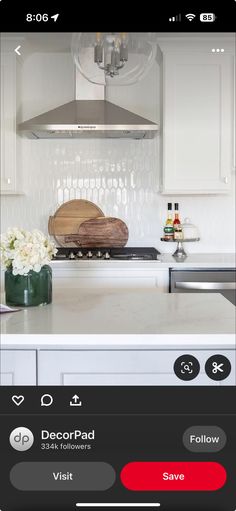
(21, 439)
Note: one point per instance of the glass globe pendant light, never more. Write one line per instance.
(115, 58)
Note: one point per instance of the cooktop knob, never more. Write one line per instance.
(99, 254)
(107, 255)
(89, 254)
(71, 255)
(79, 254)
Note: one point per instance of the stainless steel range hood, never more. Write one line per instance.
(88, 117)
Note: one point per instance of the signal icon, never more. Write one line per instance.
(190, 17)
(176, 18)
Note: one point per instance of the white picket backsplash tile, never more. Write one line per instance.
(120, 176)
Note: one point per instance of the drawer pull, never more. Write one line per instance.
(206, 286)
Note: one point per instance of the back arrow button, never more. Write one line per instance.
(17, 50)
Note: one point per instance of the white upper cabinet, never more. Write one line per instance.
(10, 141)
(198, 116)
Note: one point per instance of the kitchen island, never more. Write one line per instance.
(116, 336)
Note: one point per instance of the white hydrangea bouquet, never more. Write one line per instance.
(22, 251)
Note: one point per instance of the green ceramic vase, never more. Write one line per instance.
(29, 290)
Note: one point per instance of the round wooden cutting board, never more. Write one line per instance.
(68, 218)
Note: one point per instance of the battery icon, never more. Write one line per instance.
(207, 16)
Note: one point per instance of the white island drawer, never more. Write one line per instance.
(122, 367)
(18, 367)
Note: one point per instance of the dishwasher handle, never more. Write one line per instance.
(206, 286)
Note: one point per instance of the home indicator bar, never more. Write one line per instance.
(124, 504)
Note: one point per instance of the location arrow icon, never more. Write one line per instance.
(54, 17)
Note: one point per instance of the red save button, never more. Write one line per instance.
(173, 476)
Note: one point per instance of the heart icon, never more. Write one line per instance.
(18, 400)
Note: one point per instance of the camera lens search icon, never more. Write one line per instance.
(46, 400)
(186, 367)
(21, 439)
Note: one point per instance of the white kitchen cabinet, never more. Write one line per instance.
(18, 367)
(197, 118)
(10, 141)
(120, 367)
(127, 278)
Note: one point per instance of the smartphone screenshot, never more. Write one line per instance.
(118, 282)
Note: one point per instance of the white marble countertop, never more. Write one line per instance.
(201, 261)
(114, 317)
(220, 260)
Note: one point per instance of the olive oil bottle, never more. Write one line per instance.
(169, 228)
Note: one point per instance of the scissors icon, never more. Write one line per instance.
(217, 368)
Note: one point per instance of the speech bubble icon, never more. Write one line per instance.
(46, 400)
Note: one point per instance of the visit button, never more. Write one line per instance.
(173, 476)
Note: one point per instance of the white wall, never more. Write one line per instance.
(121, 176)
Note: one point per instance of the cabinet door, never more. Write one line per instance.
(10, 141)
(121, 367)
(110, 278)
(198, 122)
(17, 367)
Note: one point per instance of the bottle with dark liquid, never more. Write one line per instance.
(169, 229)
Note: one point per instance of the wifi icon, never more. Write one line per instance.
(190, 16)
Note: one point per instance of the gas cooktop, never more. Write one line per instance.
(125, 253)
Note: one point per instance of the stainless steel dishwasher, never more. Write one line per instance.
(196, 280)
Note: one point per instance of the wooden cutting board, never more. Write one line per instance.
(101, 232)
(68, 218)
